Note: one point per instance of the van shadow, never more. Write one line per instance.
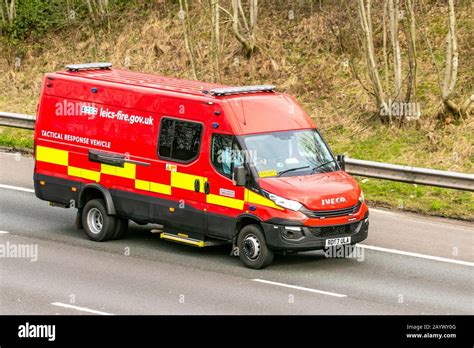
(142, 237)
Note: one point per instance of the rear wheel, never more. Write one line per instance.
(121, 227)
(253, 249)
(97, 224)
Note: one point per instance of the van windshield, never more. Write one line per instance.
(289, 153)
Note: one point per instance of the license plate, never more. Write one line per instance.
(337, 241)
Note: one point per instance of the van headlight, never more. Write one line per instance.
(285, 203)
(361, 196)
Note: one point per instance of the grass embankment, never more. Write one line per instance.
(302, 59)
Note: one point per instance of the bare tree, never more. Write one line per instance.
(97, 8)
(10, 9)
(389, 98)
(3, 15)
(245, 29)
(397, 65)
(215, 39)
(451, 70)
(368, 44)
(184, 16)
(385, 54)
(411, 38)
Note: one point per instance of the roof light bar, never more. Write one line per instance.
(88, 66)
(242, 89)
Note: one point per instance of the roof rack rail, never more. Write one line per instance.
(243, 89)
(88, 66)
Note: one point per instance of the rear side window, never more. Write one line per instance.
(179, 140)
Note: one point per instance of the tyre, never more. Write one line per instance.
(97, 224)
(121, 227)
(78, 220)
(253, 249)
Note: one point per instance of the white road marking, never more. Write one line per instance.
(393, 251)
(300, 288)
(3, 232)
(422, 256)
(432, 220)
(82, 309)
(17, 188)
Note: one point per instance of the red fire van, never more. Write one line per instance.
(210, 163)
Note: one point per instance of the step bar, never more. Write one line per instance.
(185, 239)
(182, 238)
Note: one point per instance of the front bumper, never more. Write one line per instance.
(287, 237)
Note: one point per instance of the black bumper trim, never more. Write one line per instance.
(276, 238)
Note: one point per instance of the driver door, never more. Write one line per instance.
(224, 200)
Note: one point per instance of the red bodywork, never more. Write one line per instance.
(146, 96)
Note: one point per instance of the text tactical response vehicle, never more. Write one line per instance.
(211, 163)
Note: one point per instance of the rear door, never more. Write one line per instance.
(179, 145)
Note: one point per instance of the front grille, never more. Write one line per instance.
(331, 213)
(330, 231)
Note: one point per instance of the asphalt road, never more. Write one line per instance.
(410, 264)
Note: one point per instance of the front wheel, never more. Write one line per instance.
(253, 249)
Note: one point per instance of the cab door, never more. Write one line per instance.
(224, 200)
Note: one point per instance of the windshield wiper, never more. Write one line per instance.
(291, 170)
(321, 165)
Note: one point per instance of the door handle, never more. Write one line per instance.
(207, 187)
(106, 158)
(197, 185)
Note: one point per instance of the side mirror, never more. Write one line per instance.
(341, 160)
(240, 175)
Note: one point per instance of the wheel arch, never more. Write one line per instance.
(244, 220)
(96, 191)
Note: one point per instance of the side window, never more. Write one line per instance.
(225, 154)
(179, 140)
(166, 137)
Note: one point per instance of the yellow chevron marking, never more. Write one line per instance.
(83, 173)
(255, 198)
(50, 155)
(186, 181)
(128, 171)
(225, 201)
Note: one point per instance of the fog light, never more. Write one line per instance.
(293, 233)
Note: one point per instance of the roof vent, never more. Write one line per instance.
(88, 66)
(241, 90)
